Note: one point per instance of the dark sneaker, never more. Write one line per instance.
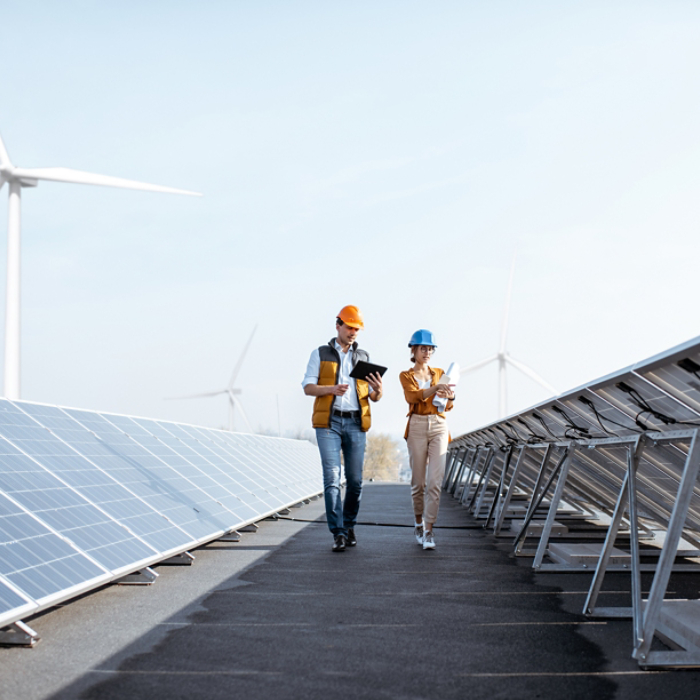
(339, 543)
(352, 540)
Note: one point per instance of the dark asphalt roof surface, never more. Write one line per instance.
(388, 620)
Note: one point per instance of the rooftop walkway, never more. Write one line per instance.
(382, 620)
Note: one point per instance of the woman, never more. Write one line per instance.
(426, 433)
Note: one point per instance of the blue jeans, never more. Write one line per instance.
(342, 434)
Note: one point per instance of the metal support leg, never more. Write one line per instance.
(230, 537)
(597, 583)
(554, 505)
(144, 577)
(18, 634)
(485, 486)
(452, 457)
(668, 554)
(249, 528)
(500, 489)
(462, 464)
(464, 474)
(637, 610)
(490, 455)
(535, 503)
(182, 559)
(471, 473)
(538, 484)
(505, 503)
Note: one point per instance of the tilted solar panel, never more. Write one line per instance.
(87, 497)
(633, 445)
(12, 603)
(34, 468)
(37, 560)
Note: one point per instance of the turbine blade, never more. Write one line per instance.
(506, 311)
(237, 368)
(479, 365)
(195, 396)
(79, 177)
(238, 405)
(532, 375)
(4, 158)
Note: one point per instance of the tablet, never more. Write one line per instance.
(362, 369)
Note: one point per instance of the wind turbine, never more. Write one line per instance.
(16, 179)
(504, 359)
(230, 389)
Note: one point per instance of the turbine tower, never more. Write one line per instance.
(16, 179)
(230, 389)
(504, 359)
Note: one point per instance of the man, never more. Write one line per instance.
(342, 418)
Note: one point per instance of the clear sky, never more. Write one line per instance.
(389, 154)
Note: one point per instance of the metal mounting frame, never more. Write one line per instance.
(18, 634)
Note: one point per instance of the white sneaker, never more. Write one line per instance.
(418, 532)
(428, 541)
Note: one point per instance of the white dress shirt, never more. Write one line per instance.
(348, 401)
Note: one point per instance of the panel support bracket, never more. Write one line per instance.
(249, 528)
(182, 559)
(18, 634)
(142, 577)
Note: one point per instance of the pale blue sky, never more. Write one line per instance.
(387, 154)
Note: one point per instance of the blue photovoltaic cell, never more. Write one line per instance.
(261, 487)
(86, 497)
(9, 600)
(156, 483)
(226, 470)
(37, 560)
(84, 472)
(143, 433)
(198, 470)
(260, 450)
(51, 497)
(235, 448)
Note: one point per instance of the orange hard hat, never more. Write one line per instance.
(351, 316)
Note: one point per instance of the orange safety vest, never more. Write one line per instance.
(328, 376)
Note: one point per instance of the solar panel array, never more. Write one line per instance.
(627, 445)
(86, 497)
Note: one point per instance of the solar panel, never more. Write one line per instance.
(12, 603)
(634, 434)
(38, 561)
(86, 497)
(34, 466)
(158, 484)
(70, 452)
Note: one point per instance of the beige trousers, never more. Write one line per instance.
(427, 452)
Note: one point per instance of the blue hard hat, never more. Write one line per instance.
(422, 337)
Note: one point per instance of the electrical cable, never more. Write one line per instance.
(511, 440)
(639, 401)
(689, 366)
(544, 425)
(587, 402)
(439, 527)
(535, 437)
(582, 432)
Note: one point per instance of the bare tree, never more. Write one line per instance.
(382, 458)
